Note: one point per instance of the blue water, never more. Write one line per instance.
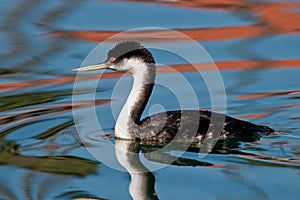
(42, 156)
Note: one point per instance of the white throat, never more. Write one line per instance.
(140, 73)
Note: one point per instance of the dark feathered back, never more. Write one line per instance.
(130, 49)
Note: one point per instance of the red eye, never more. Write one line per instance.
(112, 59)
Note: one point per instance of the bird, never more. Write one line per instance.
(178, 125)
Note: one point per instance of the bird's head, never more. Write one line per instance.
(124, 57)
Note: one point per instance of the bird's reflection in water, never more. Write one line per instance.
(142, 180)
(142, 185)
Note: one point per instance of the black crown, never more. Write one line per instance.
(130, 49)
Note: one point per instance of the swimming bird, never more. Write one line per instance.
(182, 125)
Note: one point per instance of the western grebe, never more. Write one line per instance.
(135, 59)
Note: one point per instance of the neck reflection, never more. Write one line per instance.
(142, 185)
(142, 180)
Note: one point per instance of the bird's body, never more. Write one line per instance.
(224, 126)
(182, 125)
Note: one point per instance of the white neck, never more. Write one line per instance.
(143, 75)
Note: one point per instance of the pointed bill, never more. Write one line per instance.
(93, 67)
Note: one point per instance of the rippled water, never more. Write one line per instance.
(255, 45)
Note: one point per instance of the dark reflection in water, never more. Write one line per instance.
(142, 180)
(142, 183)
(255, 46)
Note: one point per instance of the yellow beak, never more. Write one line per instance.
(93, 67)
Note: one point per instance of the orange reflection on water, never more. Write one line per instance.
(280, 16)
(234, 65)
(25, 84)
(271, 17)
(215, 166)
(51, 110)
(269, 94)
(280, 161)
(256, 115)
(160, 36)
(223, 65)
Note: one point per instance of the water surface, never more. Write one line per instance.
(254, 44)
